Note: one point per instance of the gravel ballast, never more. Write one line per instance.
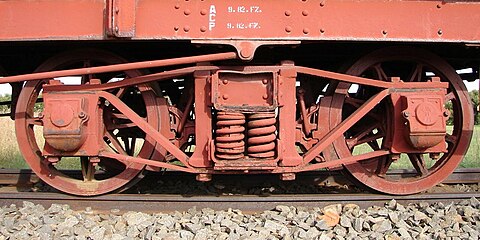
(392, 221)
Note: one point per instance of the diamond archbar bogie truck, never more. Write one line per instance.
(106, 90)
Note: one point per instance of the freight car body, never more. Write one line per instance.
(241, 87)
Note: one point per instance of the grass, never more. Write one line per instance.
(10, 156)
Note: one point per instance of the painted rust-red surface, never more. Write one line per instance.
(52, 19)
(433, 21)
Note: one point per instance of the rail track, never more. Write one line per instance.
(25, 177)
(170, 203)
(12, 179)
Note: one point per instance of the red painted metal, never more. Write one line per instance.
(52, 19)
(340, 129)
(245, 25)
(118, 67)
(145, 126)
(262, 91)
(268, 145)
(230, 137)
(291, 20)
(122, 21)
(70, 124)
(372, 173)
(261, 135)
(28, 124)
(309, 20)
(419, 122)
(240, 119)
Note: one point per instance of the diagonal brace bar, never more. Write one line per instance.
(345, 161)
(147, 128)
(120, 67)
(345, 125)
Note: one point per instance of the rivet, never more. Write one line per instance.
(322, 30)
(177, 6)
(246, 52)
(306, 30)
(322, 3)
(225, 96)
(116, 29)
(186, 28)
(439, 5)
(176, 28)
(288, 29)
(187, 12)
(288, 13)
(265, 96)
(305, 13)
(203, 29)
(225, 81)
(440, 32)
(203, 12)
(117, 10)
(384, 32)
(264, 81)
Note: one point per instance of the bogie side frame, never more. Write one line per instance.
(232, 112)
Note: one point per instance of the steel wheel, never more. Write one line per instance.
(82, 176)
(373, 131)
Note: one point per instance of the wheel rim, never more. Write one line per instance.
(85, 181)
(371, 173)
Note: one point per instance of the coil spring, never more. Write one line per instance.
(230, 137)
(261, 135)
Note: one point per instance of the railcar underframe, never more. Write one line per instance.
(242, 87)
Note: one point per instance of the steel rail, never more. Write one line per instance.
(248, 203)
(328, 178)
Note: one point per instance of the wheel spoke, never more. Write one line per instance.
(356, 103)
(86, 77)
(418, 163)
(417, 73)
(449, 97)
(121, 92)
(380, 73)
(35, 121)
(384, 164)
(360, 138)
(133, 145)
(450, 138)
(88, 169)
(121, 126)
(412, 65)
(116, 144)
(374, 145)
(126, 143)
(371, 140)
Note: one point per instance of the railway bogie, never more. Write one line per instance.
(229, 98)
